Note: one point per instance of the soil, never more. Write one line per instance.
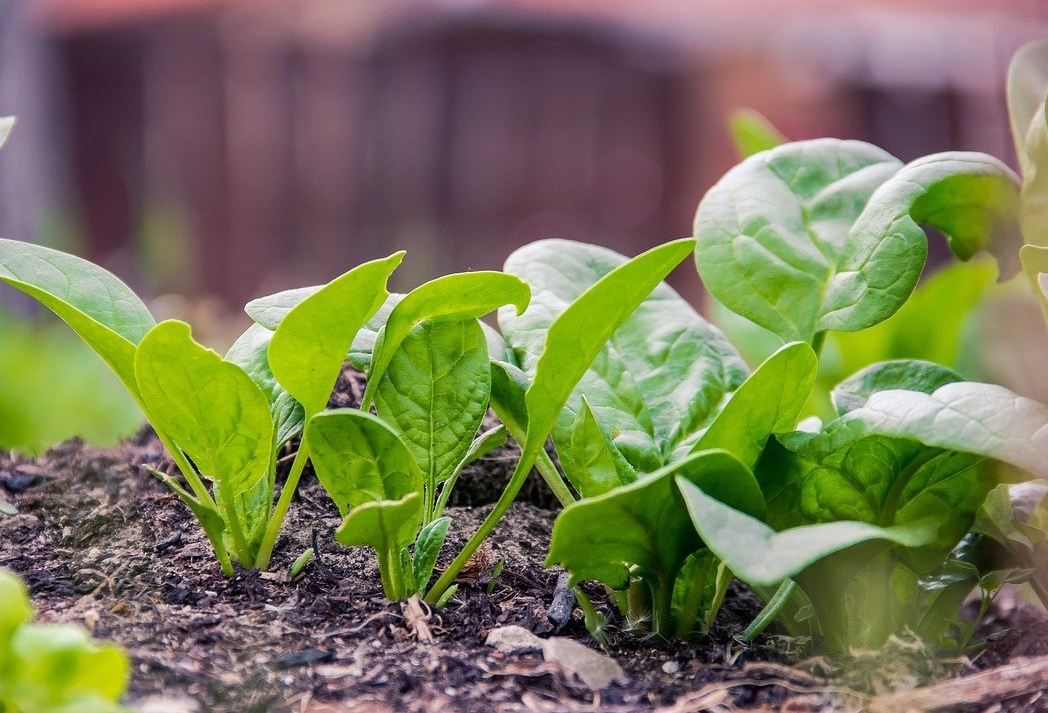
(103, 544)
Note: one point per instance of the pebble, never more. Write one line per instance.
(671, 667)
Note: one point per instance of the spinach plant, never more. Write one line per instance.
(801, 239)
(391, 474)
(54, 668)
(222, 419)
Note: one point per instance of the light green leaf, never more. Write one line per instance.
(359, 459)
(101, 309)
(250, 353)
(769, 401)
(662, 373)
(596, 465)
(210, 407)
(774, 231)
(451, 298)
(641, 530)
(15, 609)
(387, 526)
(427, 546)
(981, 419)
(908, 374)
(269, 311)
(310, 343)
(751, 132)
(762, 557)
(435, 393)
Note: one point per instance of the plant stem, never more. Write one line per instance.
(554, 479)
(276, 520)
(391, 575)
(770, 611)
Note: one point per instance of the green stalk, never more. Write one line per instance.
(276, 520)
(770, 612)
(391, 575)
(693, 601)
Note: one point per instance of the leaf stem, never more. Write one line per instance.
(770, 612)
(276, 519)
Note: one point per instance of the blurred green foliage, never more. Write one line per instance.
(52, 387)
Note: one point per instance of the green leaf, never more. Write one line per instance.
(773, 234)
(968, 417)
(930, 326)
(310, 343)
(387, 526)
(762, 557)
(250, 353)
(596, 465)
(218, 417)
(210, 407)
(101, 309)
(663, 371)
(643, 526)
(751, 132)
(907, 374)
(452, 298)
(1027, 92)
(15, 609)
(359, 459)
(427, 546)
(435, 394)
(769, 401)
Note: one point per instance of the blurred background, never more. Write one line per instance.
(220, 150)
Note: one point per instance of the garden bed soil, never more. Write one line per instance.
(102, 544)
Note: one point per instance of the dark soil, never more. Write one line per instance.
(104, 545)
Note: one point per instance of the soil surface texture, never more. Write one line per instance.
(103, 544)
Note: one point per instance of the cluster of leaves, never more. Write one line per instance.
(852, 528)
(53, 668)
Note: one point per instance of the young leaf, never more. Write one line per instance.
(101, 309)
(760, 556)
(773, 232)
(435, 393)
(250, 353)
(751, 132)
(596, 464)
(360, 459)
(310, 343)
(769, 401)
(387, 526)
(427, 546)
(452, 298)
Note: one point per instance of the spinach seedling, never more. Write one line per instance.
(51, 668)
(222, 420)
(391, 473)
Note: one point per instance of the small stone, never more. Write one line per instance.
(671, 667)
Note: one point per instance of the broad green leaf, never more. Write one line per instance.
(769, 401)
(908, 374)
(210, 407)
(596, 465)
(662, 372)
(751, 132)
(760, 556)
(269, 311)
(1027, 93)
(508, 386)
(451, 298)
(427, 546)
(642, 526)
(6, 124)
(435, 393)
(981, 419)
(359, 459)
(250, 353)
(773, 234)
(15, 609)
(101, 309)
(310, 343)
(929, 326)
